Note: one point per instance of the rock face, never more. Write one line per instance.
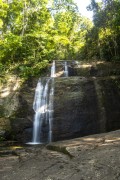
(87, 102)
(84, 106)
(16, 114)
(75, 108)
(88, 69)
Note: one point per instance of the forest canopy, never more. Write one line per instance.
(35, 32)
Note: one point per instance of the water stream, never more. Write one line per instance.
(65, 69)
(43, 107)
(53, 70)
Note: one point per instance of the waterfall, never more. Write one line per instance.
(51, 100)
(53, 69)
(43, 107)
(37, 108)
(51, 110)
(65, 69)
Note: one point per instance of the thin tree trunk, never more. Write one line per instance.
(24, 18)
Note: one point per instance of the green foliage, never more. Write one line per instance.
(104, 43)
(33, 31)
(27, 70)
(2, 139)
(24, 35)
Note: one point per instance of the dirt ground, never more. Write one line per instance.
(95, 157)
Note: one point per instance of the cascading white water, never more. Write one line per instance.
(51, 110)
(65, 69)
(53, 69)
(37, 109)
(43, 107)
(51, 100)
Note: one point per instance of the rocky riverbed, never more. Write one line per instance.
(92, 157)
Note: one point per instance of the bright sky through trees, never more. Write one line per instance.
(82, 4)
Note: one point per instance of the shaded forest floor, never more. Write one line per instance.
(92, 157)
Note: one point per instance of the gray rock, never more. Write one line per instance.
(92, 157)
(84, 106)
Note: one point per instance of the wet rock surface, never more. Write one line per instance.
(75, 108)
(88, 69)
(84, 106)
(92, 157)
